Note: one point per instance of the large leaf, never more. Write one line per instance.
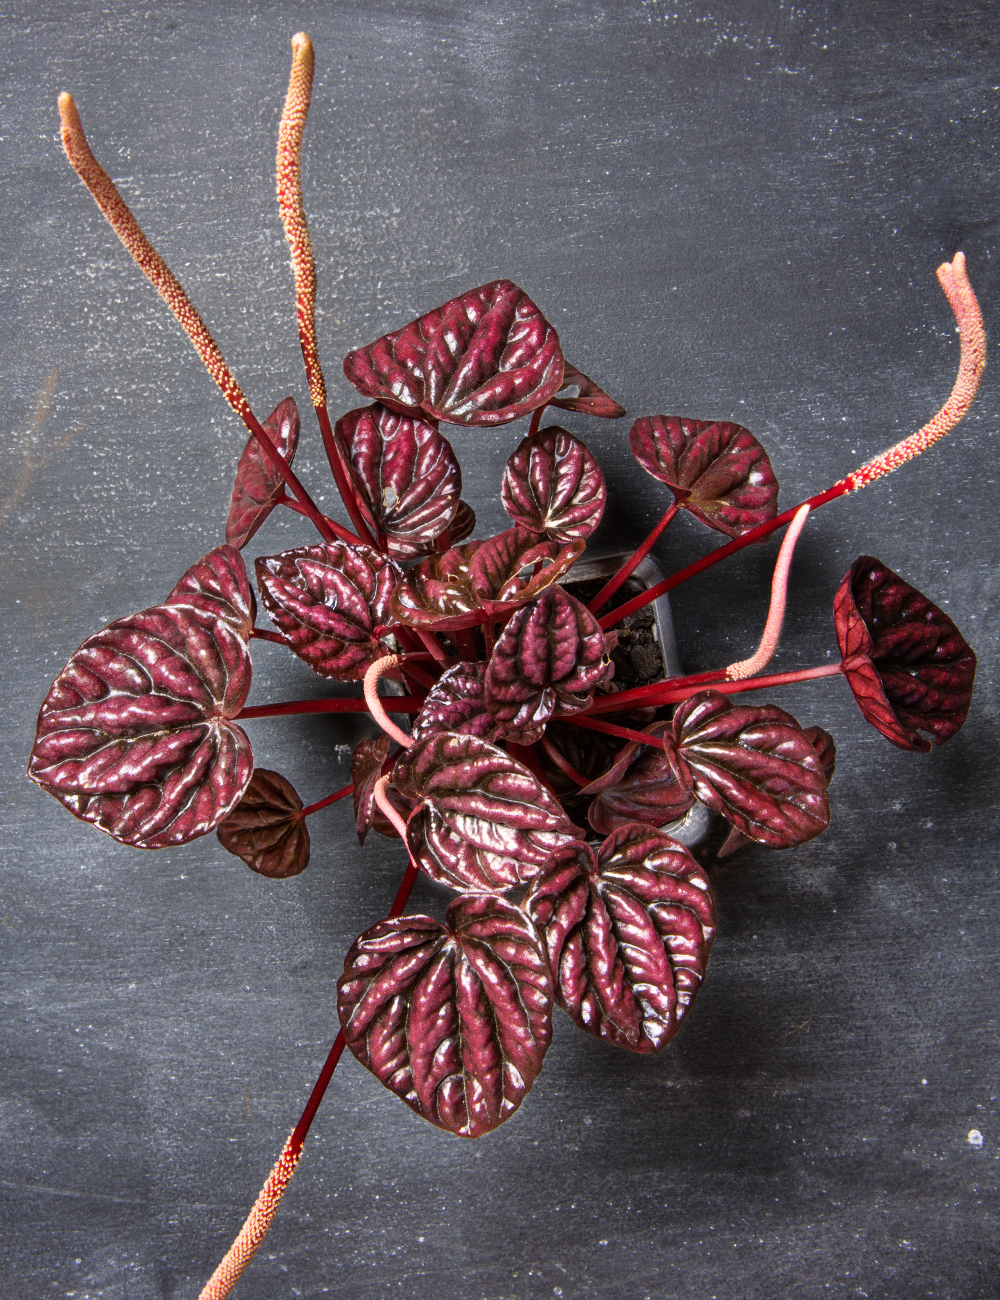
(715, 469)
(628, 932)
(646, 784)
(266, 828)
(453, 1018)
(754, 765)
(483, 821)
(553, 485)
(258, 484)
(547, 660)
(578, 393)
(910, 668)
(457, 703)
(481, 580)
(487, 357)
(327, 601)
(135, 733)
(218, 586)
(407, 477)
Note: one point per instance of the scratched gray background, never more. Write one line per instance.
(728, 209)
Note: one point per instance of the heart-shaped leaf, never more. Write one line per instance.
(578, 393)
(483, 821)
(754, 765)
(553, 485)
(481, 580)
(547, 660)
(715, 469)
(135, 733)
(628, 932)
(258, 485)
(407, 478)
(266, 828)
(646, 784)
(218, 586)
(457, 703)
(487, 357)
(327, 601)
(453, 1018)
(910, 668)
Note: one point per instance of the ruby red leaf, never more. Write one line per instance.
(483, 822)
(135, 733)
(218, 586)
(487, 357)
(266, 828)
(910, 668)
(547, 660)
(327, 601)
(628, 932)
(715, 469)
(754, 765)
(646, 784)
(453, 1018)
(463, 525)
(457, 703)
(825, 749)
(553, 485)
(587, 397)
(258, 485)
(407, 478)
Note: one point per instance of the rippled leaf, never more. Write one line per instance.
(453, 1018)
(218, 586)
(628, 932)
(135, 733)
(910, 668)
(553, 485)
(266, 828)
(327, 601)
(258, 485)
(457, 703)
(407, 477)
(547, 660)
(578, 393)
(715, 469)
(483, 821)
(646, 784)
(487, 357)
(825, 749)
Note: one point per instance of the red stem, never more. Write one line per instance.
(342, 479)
(259, 634)
(610, 729)
(536, 420)
(630, 565)
(562, 763)
(338, 529)
(330, 798)
(676, 689)
(334, 704)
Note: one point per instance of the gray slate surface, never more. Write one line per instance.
(729, 210)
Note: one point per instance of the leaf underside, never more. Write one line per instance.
(258, 485)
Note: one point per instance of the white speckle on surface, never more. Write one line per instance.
(975, 1138)
(924, 1082)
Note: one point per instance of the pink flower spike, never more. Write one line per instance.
(744, 668)
(387, 806)
(375, 704)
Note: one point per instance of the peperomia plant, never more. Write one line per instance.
(532, 781)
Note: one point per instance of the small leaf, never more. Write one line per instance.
(135, 734)
(825, 749)
(910, 668)
(715, 469)
(483, 822)
(368, 763)
(588, 397)
(553, 485)
(327, 601)
(646, 784)
(754, 765)
(485, 358)
(258, 485)
(453, 1018)
(407, 477)
(628, 933)
(457, 703)
(266, 828)
(218, 586)
(547, 660)
(463, 525)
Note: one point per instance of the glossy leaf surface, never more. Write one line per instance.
(910, 668)
(135, 733)
(825, 749)
(266, 828)
(457, 703)
(258, 486)
(485, 358)
(407, 477)
(646, 784)
(483, 821)
(715, 469)
(553, 485)
(628, 931)
(453, 1018)
(547, 660)
(463, 525)
(754, 765)
(588, 396)
(218, 585)
(327, 601)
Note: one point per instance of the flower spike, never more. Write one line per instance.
(744, 668)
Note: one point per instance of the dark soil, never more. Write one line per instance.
(637, 656)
